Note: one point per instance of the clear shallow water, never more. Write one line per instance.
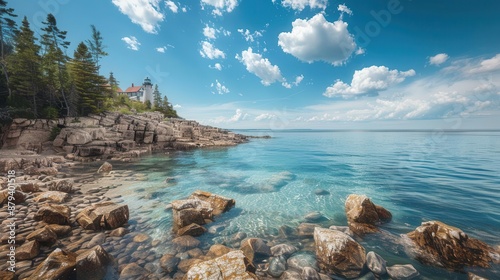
(453, 177)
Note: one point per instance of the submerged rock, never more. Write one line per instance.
(283, 249)
(105, 168)
(376, 263)
(309, 273)
(363, 215)
(277, 265)
(402, 272)
(443, 245)
(338, 253)
(232, 265)
(169, 262)
(192, 229)
(302, 259)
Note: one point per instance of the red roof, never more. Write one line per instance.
(133, 89)
(119, 89)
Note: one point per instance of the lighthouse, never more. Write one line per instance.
(148, 91)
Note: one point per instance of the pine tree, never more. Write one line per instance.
(25, 70)
(7, 34)
(156, 97)
(87, 84)
(96, 47)
(113, 83)
(54, 62)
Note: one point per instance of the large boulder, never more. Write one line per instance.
(220, 204)
(106, 215)
(58, 265)
(93, 264)
(363, 215)
(189, 211)
(232, 265)
(338, 253)
(54, 214)
(443, 245)
(186, 242)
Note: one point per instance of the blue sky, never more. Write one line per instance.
(281, 64)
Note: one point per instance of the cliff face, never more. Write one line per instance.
(114, 135)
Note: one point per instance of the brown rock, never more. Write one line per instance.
(169, 263)
(188, 211)
(338, 253)
(119, 232)
(363, 215)
(61, 185)
(7, 275)
(220, 204)
(186, 242)
(92, 264)
(28, 187)
(185, 265)
(43, 235)
(141, 238)
(218, 250)
(58, 265)
(255, 248)
(106, 215)
(306, 229)
(19, 197)
(105, 168)
(54, 214)
(134, 271)
(60, 230)
(52, 197)
(28, 250)
(443, 245)
(229, 266)
(192, 229)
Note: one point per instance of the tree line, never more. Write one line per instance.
(39, 79)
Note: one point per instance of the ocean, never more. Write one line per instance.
(450, 176)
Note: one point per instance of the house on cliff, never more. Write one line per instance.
(139, 93)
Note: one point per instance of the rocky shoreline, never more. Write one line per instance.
(71, 225)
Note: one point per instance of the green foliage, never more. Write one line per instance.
(54, 132)
(148, 104)
(50, 113)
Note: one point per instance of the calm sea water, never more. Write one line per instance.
(453, 177)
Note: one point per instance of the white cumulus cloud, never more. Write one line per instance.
(302, 4)
(177, 106)
(487, 65)
(216, 66)
(209, 32)
(265, 116)
(438, 59)
(367, 80)
(172, 6)
(260, 67)
(220, 6)
(132, 43)
(163, 49)
(317, 39)
(298, 80)
(209, 51)
(219, 88)
(145, 13)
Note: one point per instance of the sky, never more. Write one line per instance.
(285, 64)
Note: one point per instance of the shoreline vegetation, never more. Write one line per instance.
(75, 224)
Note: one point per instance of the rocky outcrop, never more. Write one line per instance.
(27, 134)
(363, 216)
(338, 253)
(443, 245)
(220, 204)
(229, 266)
(105, 215)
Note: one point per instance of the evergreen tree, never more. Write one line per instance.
(96, 47)
(113, 83)
(54, 63)
(156, 97)
(25, 70)
(87, 85)
(7, 34)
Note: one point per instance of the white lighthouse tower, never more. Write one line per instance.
(148, 91)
